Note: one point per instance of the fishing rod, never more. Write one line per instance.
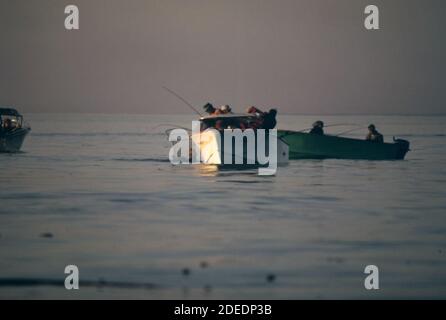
(351, 130)
(289, 132)
(331, 125)
(182, 99)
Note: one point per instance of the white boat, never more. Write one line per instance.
(211, 142)
(12, 130)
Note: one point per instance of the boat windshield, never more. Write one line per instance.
(9, 122)
(229, 122)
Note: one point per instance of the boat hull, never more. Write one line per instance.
(12, 141)
(212, 152)
(311, 146)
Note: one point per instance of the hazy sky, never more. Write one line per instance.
(310, 56)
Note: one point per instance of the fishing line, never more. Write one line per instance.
(174, 126)
(182, 99)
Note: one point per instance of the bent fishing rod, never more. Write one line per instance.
(183, 100)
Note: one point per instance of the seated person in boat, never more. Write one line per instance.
(318, 128)
(209, 109)
(266, 120)
(7, 125)
(269, 119)
(254, 110)
(221, 123)
(225, 109)
(257, 124)
(374, 135)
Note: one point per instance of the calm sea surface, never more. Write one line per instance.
(98, 191)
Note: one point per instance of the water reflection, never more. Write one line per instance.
(207, 170)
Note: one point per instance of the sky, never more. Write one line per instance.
(303, 57)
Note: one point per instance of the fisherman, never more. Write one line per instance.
(7, 125)
(225, 109)
(257, 124)
(254, 110)
(266, 120)
(220, 125)
(374, 135)
(269, 119)
(209, 108)
(318, 128)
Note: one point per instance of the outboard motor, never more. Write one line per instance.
(403, 147)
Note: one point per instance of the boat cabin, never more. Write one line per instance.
(10, 119)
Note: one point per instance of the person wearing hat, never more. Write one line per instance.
(209, 108)
(374, 135)
(318, 128)
(225, 109)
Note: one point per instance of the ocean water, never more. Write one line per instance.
(98, 191)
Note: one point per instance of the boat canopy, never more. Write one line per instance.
(9, 112)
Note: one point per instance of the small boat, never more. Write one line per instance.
(211, 143)
(313, 146)
(12, 130)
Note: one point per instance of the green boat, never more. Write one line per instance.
(312, 146)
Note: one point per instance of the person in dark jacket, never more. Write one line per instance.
(374, 135)
(318, 128)
(209, 108)
(269, 119)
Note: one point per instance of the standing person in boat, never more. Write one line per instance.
(318, 128)
(374, 135)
